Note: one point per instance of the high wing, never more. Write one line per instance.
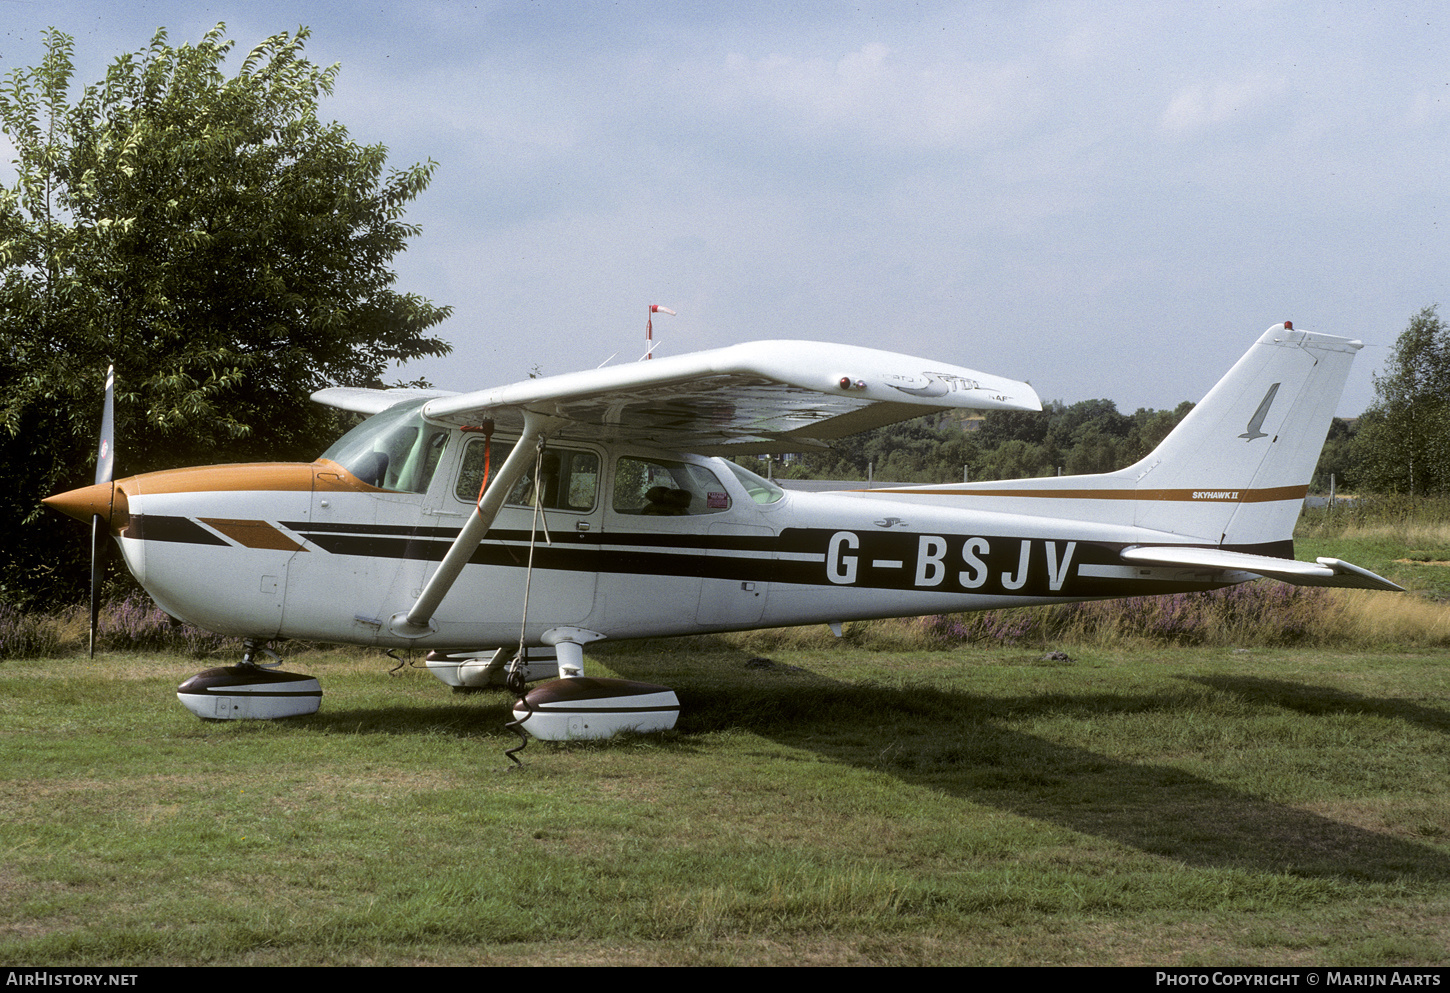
(754, 398)
(365, 400)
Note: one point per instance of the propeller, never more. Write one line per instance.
(105, 469)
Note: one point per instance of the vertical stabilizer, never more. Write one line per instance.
(1236, 470)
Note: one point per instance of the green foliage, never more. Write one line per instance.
(1338, 458)
(1403, 441)
(1086, 437)
(211, 236)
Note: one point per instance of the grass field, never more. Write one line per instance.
(1134, 805)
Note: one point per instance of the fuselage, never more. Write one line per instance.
(422, 527)
(629, 542)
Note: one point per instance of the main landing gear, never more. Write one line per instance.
(570, 707)
(252, 690)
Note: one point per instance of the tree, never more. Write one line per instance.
(1403, 442)
(211, 236)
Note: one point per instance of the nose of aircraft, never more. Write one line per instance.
(89, 501)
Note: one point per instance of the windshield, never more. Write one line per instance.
(761, 490)
(394, 450)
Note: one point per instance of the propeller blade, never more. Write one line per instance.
(106, 455)
(105, 470)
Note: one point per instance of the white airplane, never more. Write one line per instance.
(555, 512)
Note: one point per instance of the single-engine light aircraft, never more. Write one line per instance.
(505, 529)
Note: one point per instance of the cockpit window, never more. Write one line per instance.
(568, 479)
(394, 450)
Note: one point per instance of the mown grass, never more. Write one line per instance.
(1192, 806)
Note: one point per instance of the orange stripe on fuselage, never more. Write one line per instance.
(1202, 494)
(253, 534)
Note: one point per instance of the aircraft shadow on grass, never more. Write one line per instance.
(1324, 700)
(961, 744)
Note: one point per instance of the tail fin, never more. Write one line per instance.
(1228, 482)
(1236, 470)
(1232, 474)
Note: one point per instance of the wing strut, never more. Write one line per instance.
(418, 621)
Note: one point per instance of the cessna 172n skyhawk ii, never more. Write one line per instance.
(562, 510)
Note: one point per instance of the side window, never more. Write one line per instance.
(568, 480)
(655, 488)
(761, 490)
(479, 453)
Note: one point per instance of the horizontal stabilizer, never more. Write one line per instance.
(1323, 572)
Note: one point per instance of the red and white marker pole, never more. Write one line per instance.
(649, 328)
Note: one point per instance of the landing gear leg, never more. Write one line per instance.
(250, 651)
(569, 646)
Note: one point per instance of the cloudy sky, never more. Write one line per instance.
(1106, 199)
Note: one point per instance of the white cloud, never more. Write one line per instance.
(877, 93)
(1204, 105)
(1429, 106)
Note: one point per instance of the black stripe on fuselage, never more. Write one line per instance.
(155, 527)
(887, 560)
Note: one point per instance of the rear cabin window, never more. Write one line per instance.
(567, 479)
(655, 488)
